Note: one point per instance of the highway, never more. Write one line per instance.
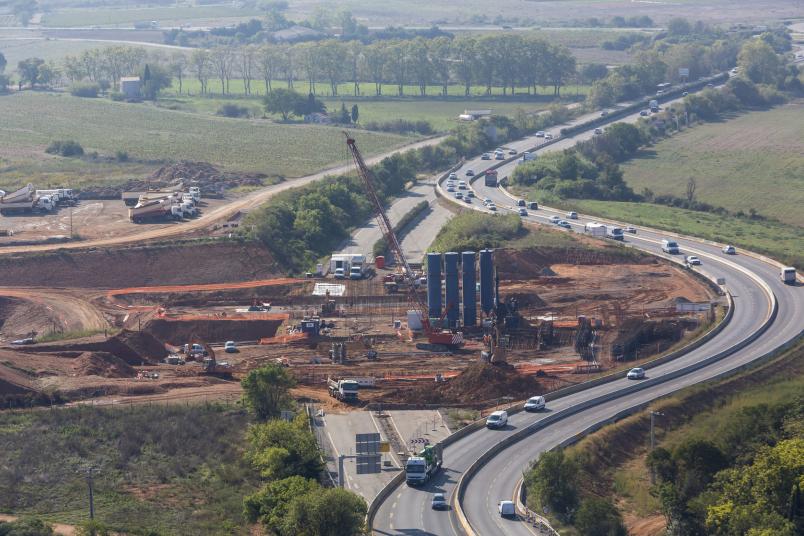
(753, 284)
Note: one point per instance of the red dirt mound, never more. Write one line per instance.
(102, 364)
(530, 263)
(179, 332)
(133, 347)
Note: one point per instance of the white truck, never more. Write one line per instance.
(420, 468)
(654, 106)
(155, 210)
(595, 229)
(615, 233)
(347, 261)
(788, 275)
(343, 390)
(25, 200)
(60, 196)
(195, 191)
(670, 246)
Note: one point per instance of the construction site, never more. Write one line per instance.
(462, 329)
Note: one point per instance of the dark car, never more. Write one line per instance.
(439, 502)
(533, 205)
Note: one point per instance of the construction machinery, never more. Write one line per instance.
(437, 338)
(345, 390)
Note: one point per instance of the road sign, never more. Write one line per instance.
(369, 463)
(367, 443)
(385, 446)
(683, 72)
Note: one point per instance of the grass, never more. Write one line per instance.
(67, 335)
(785, 243)
(128, 16)
(173, 469)
(16, 50)
(152, 135)
(752, 161)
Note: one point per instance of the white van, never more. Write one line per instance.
(535, 403)
(788, 275)
(506, 509)
(670, 246)
(498, 419)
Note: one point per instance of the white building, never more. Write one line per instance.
(130, 87)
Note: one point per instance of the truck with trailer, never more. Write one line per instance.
(420, 468)
(596, 229)
(654, 106)
(490, 178)
(156, 209)
(344, 390)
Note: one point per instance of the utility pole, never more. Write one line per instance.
(71, 222)
(653, 415)
(89, 472)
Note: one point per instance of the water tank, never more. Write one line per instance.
(434, 285)
(486, 281)
(469, 288)
(452, 298)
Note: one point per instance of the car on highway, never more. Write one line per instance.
(729, 250)
(604, 113)
(497, 419)
(540, 134)
(555, 219)
(535, 403)
(637, 373)
(630, 229)
(470, 193)
(644, 113)
(487, 200)
(230, 347)
(572, 215)
(499, 156)
(485, 156)
(450, 188)
(598, 131)
(492, 207)
(512, 151)
(470, 173)
(692, 260)
(439, 502)
(520, 202)
(548, 136)
(710, 85)
(533, 205)
(467, 199)
(565, 224)
(458, 195)
(523, 212)
(462, 185)
(506, 509)
(685, 94)
(453, 176)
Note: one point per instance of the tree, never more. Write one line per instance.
(554, 482)
(270, 504)
(178, 65)
(154, 78)
(222, 59)
(266, 390)
(200, 62)
(592, 72)
(280, 449)
(282, 101)
(308, 106)
(327, 512)
(759, 62)
(598, 517)
(355, 113)
(29, 71)
(691, 186)
(679, 26)
(26, 527)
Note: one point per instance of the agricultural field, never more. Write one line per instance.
(152, 135)
(782, 242)
(166, 16)
(16, 49)
(752, 161)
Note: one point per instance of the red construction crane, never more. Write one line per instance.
(436, 337)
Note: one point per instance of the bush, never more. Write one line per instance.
(121, 156)
(65, 148)
(117, 96)
(473, 231)
(401, 126)
(84, 89)
(233, 110)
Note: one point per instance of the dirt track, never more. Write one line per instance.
(52, 308)
(218, 214)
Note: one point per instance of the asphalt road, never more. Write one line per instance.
(407, 510)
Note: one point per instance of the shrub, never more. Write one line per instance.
(121, 156)
(233, 110)
(83, 89)
(65, 148)
(117, 96)
(401, 126)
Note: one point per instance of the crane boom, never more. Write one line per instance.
(444, 339)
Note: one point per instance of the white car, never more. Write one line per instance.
(458, 195)
(548, 136)
(492, 207)
(512, 151)
(487, 201)
(230, 347)
(729, 250)
(450, 188)
(555, 219)
(485, 156)
(498, 419)
(535, 403)
(523, 212)
(692, 260)
(572, 215)
(630, 229)
(462, 185)
(540, 134)
(637, 373)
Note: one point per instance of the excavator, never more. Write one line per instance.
(436, 338)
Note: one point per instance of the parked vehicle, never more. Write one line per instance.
(195, 191)
(467, 199)
(439, 502)
(343, 390)
(535, 403)
(356, 271)
(498, 419)
(458, 195)
(670, 246)
(25, 200)
(453, 176)
(230, 347)
(60, 196)
(450, 188)
(339, 273)
(637, 373)
(492, 207)
(788, 275)
(506, 509)
(470, 193)
(420, 468)
(155, 210)
(729, 250)
(462, 185)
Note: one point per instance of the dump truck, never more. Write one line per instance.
(420, 468)
(155, 210)
(343, 390)
(490, 178)
(25, 200)
(60, 196)
(133, 198)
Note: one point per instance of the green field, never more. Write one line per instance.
(785, 243)
(753, 161)
(127, 16)
(152, 135)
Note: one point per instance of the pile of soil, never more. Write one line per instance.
(178, 332)
(211, 180)
(132, 347)
(481, 382)
(532, 263)
(102, 364)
